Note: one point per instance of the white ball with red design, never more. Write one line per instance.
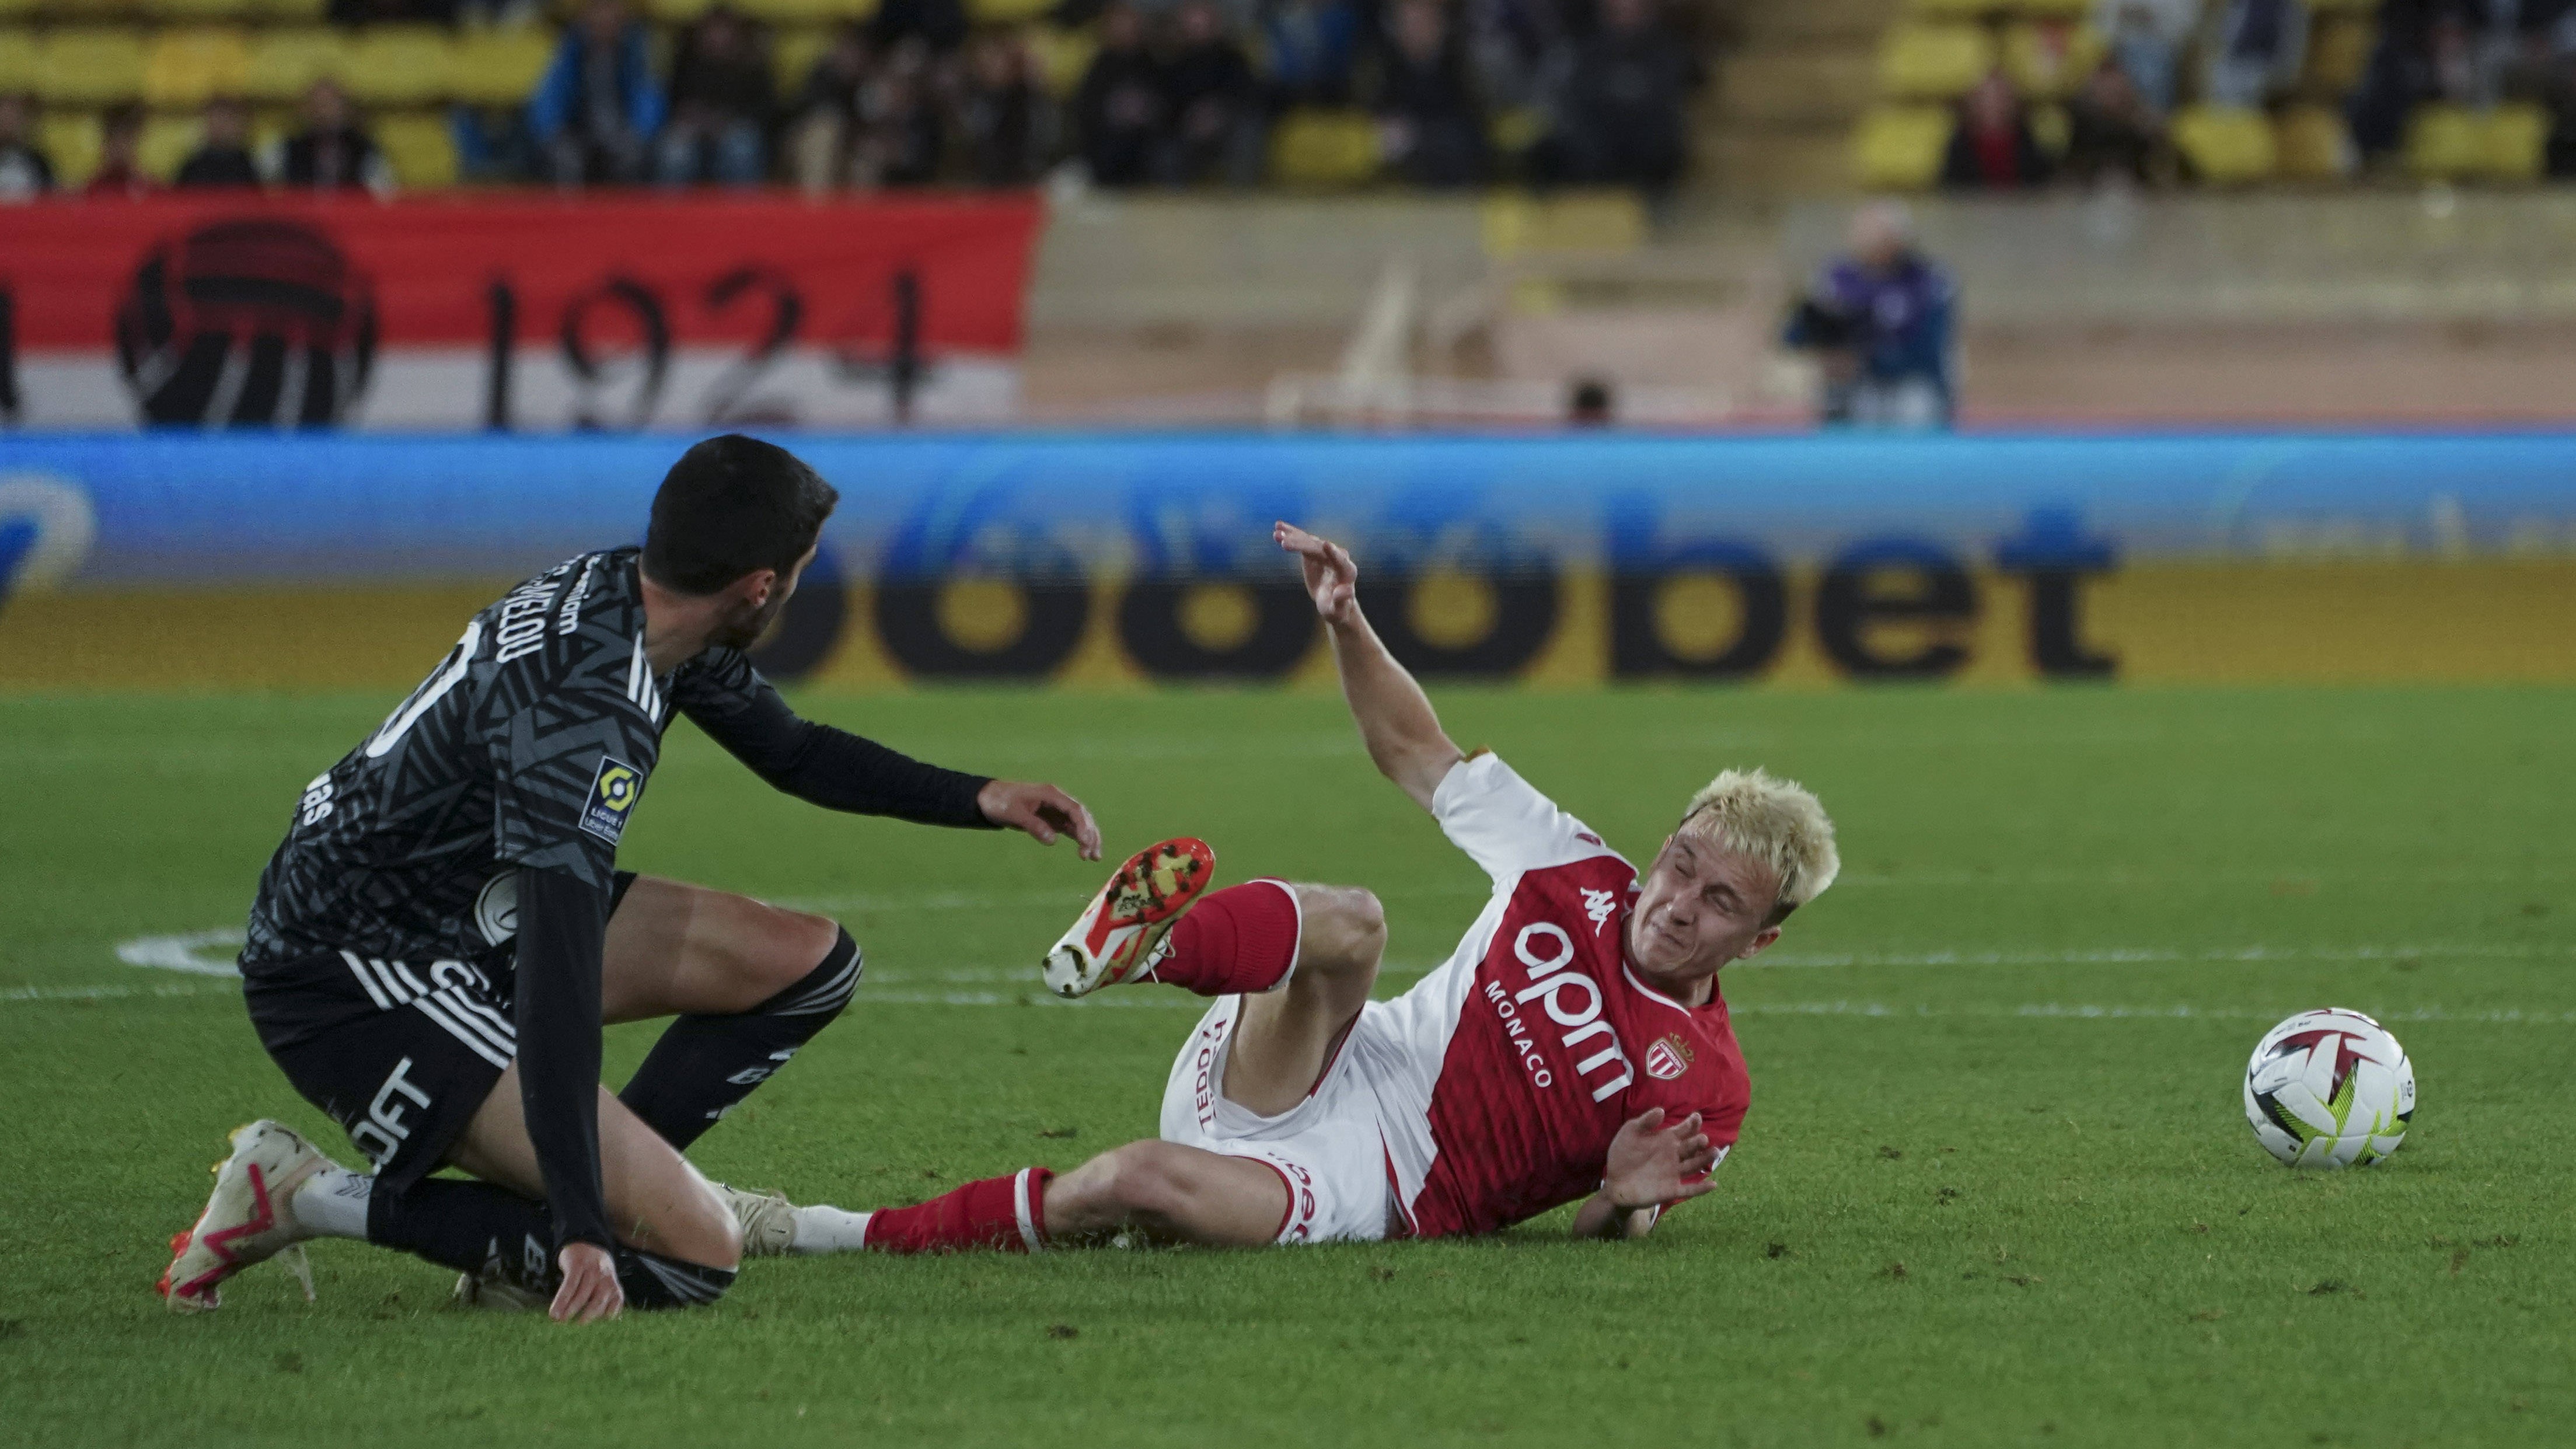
(2329, 1089)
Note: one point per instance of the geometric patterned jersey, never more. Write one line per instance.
(528, 745)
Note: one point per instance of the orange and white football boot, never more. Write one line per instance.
(249, 1219)
(1115, 937)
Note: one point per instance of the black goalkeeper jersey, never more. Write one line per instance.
(530, 745)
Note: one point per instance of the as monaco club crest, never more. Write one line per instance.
(1668, 1058)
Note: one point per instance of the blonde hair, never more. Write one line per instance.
(1776, 822)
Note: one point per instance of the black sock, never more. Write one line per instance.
(705, 1064)
(475, 1227)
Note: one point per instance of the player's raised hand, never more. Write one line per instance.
(1044, 811)
(1651, 1163)
(1331, 576)
(590, 1290)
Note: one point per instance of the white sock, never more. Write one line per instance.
(822, 1229)
(332, 1203)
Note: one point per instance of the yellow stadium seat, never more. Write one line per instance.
(420, 149)
(17, 60)
(18, 10)
(1515, 129)
(2312, 144)
(2226, 145)
(1900, 148)
(2049, 62)
(278, 12)
(91, 11)
(806, 12)
(184, 67)
(199, 11)
(1062, 56)
(284, 63)
(2445, 143)
(1007, 12)
(70, 139)
(2516, 143)
(1324, 148)
(167, 142)
(669, 12)
(2052, 128)
(1933, 62)
(499, 67)
(792, 54)
(89, 66)
(1951, 9)
(397, 65)
(2051, 9)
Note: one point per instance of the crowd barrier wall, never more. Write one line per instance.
(166, 560)
(532, 312)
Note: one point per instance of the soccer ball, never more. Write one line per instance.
(2329, 1088)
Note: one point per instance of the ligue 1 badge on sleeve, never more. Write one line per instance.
(612, 798)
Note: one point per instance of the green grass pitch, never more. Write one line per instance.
(1995, 1187)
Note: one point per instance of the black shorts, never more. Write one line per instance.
(400, 1054)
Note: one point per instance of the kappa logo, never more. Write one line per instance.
(1599, 905)
(1668, 1058)
(613, 792)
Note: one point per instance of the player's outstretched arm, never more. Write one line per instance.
(1651, 1166)
(1395, 717)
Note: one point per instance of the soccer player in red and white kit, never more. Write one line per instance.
(1575, 1046)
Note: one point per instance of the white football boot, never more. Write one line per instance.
(768, 1220)
(1115, 937)
(249, 1219)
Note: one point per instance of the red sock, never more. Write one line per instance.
(1242, 938)
(1006, 1212)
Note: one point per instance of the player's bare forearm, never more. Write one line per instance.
(1599, 1217)
(1395, 717)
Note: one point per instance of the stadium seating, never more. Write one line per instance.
(2226, 145)
(88, 66)
(2049, 62)
(284, 63)
(184, 67)
(792, 54)
(1324, 149)
(71, 139)
(2454, 143)
(186, 11)
(1062, 56)
(2517, 143)
(420, 149)
(807, 12)
(2311, 143)
(1933, 62)
(1899, 148)
(498, 67)
(396, 65)
(17, 59)
(167, 140)
(1007, 12)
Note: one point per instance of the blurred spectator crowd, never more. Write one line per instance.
(2014, 94)
(832, 94)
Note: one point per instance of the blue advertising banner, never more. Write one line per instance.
(283, 509)
(1590, 557)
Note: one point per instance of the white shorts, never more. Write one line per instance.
(1329, 1149)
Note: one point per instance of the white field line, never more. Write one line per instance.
(1175, 1001)
(210, 953)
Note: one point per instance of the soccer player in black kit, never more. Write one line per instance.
(435, 947)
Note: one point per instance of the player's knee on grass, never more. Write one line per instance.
(1342, 931)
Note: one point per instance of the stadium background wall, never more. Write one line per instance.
(186, 561)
